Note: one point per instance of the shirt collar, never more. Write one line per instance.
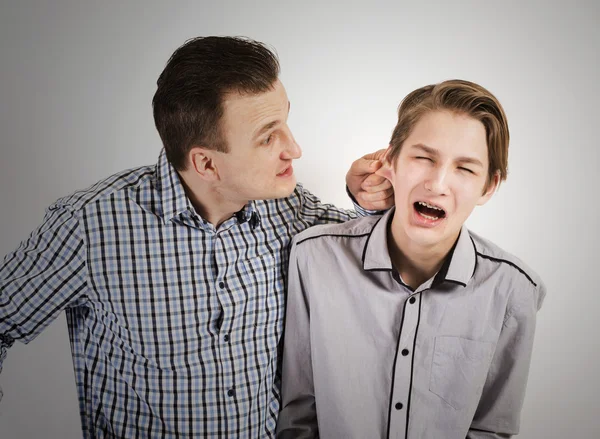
(176, 204)
(460, 264)
(376, 256)
(458, 267)
(173, 199)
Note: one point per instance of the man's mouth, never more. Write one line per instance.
(429, 211)
(286, 172)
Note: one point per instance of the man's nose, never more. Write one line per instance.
(291, 149)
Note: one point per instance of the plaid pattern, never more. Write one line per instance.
(174, 325)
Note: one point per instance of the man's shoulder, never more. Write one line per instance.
(356, 228)
(110, 186)
(494, 254)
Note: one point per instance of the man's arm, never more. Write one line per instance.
(41, 278)
(499, 411)
(298, 417)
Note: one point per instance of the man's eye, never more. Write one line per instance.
(423, 158)
(267, 140)
(466, 170)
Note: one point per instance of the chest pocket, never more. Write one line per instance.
(459, 369)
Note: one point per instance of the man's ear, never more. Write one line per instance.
(201, 161)
(489, 191)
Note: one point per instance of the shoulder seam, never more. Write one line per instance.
(77, 201)
(512, 264)
(331, 234)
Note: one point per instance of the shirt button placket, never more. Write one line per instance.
(231, 391)
(403, 367)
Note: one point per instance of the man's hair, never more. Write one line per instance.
(462, 97)
(188, 104)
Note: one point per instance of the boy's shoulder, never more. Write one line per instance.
(359, 227)
(487, 250)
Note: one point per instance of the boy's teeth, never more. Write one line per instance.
(422, 203)
(429, 217)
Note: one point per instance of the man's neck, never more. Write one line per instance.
(415, 264)
(209, 202)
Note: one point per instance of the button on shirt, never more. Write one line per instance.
(174, 325)
(365, 356)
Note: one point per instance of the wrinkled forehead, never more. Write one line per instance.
(448, 133)
(250, 107)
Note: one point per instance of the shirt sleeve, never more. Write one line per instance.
(43, 276)
(361, 211)
(499, 411)
(312, 211)
(298, 417)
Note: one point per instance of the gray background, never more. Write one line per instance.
(77, 79)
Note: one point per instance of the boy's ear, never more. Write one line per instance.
(386, 170)
(491, 188)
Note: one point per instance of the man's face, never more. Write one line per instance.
(261, 147)
(439, 178)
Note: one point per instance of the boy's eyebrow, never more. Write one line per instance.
(470, 160)
(426, 149)
(434, 152)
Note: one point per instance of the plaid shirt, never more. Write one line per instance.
(174, 325)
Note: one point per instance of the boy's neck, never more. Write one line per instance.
(415, 264)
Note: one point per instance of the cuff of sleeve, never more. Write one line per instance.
(360, 210)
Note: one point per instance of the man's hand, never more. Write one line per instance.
(371, 191)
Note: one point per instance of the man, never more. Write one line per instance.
(410, 326)
(171, 276)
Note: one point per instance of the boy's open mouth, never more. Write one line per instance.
(429, 211)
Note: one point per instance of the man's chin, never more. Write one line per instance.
(280, 191)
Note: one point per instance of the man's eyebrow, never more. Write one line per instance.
(266, 128)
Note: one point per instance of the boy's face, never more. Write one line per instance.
(439, 177)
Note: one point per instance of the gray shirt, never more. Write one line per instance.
(365, 356)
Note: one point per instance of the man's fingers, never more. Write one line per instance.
(374, 183)
(385, 204)
(370, 197)
(362, 167)
(383, 190)
(367, 164)
(375, 165)
(377, 155)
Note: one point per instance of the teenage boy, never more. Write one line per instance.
(409, 325)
